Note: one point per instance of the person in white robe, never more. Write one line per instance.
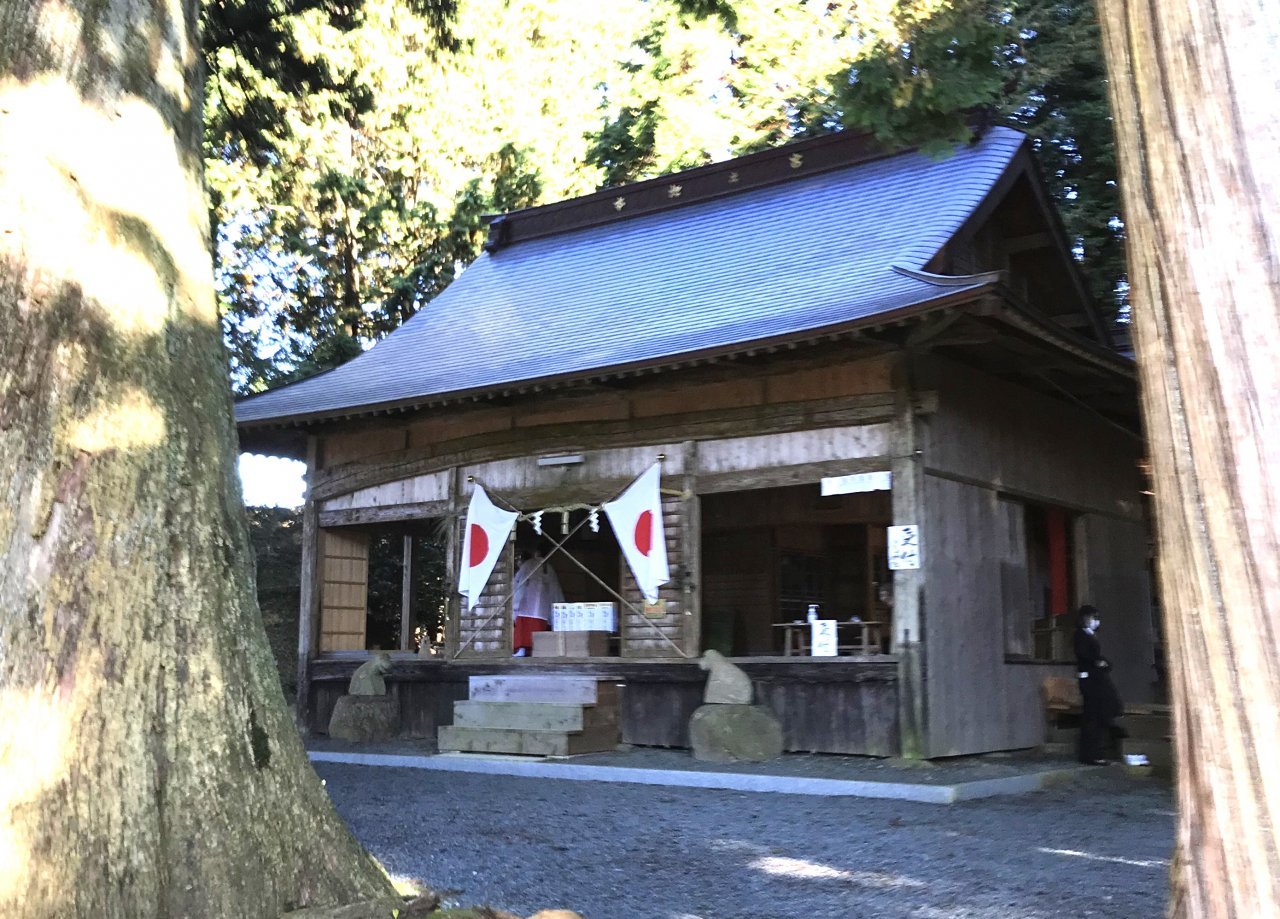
(536, 589)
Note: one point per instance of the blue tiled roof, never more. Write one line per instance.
(800, 255)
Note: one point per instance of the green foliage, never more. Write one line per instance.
(916, 74)
(1060, 99)
(1036, 64)
(385, 597)
(351, 166)
(921, 87)
(276, 534)
(698, 88)
(362, 200)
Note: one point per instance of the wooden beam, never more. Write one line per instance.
(691, 534)
(309, 595)
(908, 586)
(782, 476)
(408, 593)
(452, 557)
(392, 513)
(767, 419)
(1015, 244)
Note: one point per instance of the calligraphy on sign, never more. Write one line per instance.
(823, 640)
(904, 548)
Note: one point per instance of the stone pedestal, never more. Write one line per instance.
(365, 719)
(735, 734)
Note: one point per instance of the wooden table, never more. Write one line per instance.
(795, 637)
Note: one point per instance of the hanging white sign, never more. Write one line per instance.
(858, 482)
(904, 548)
(822, 638)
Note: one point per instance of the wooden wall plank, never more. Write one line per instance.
(846, 379)
(309, 592)
(771, 451)
(634, 433)
(344, 589)
(367, 440)
(987, 430)
(419, 489)
(978, 702)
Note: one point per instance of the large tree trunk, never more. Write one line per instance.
(148, 765)
(1196, 95)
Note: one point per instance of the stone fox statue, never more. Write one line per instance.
(367, 680)
(726, 683)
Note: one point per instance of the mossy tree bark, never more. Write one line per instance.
(148, 765)
(1196, 95)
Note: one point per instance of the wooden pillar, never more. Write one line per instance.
(692, 552)
(452, 558)
(309, 593)
(408, 593)
(908, 586)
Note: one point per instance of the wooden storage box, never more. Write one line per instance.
(570, 644)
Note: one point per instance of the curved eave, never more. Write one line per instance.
(985, 284)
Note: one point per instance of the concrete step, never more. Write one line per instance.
(567, 689)
(457, 739)
(533, 716)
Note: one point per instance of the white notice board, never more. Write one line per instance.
(904, 547)
(858, 482)
(822, 638)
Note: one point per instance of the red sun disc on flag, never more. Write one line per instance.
(644, 532)
(479, 545)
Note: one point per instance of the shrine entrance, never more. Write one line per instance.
(599, 568)
(589, 566)
(769, 554)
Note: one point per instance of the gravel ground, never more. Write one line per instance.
(1097, 847)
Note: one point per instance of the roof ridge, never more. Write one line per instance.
(785, 162)
(758, 169)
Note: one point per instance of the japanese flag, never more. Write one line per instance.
(488, 527)
(636, 517)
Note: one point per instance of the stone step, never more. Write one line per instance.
(458, 739)
(543, 687)
(532, 716)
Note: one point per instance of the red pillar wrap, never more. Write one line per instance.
(1059, 561)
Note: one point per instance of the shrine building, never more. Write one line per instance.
(873, 382)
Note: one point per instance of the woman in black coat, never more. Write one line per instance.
(1101, 702)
